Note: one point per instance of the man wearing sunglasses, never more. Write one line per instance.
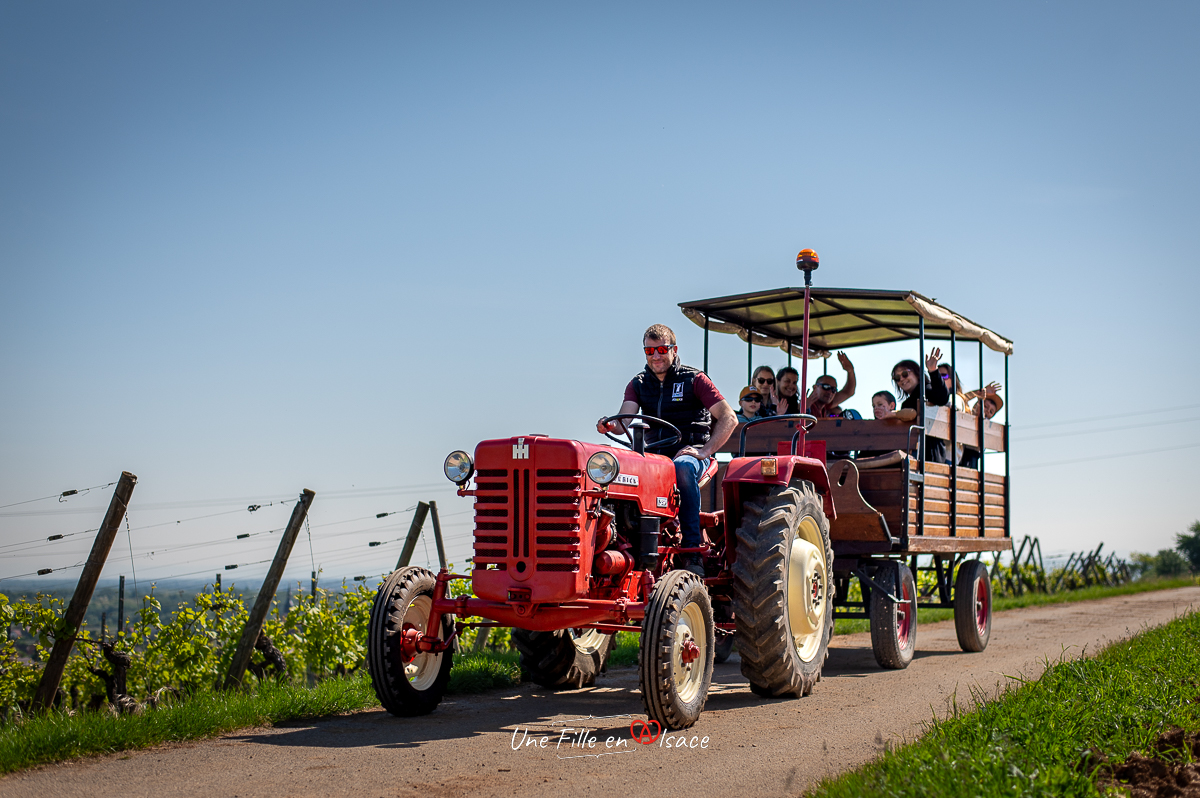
(685, 397)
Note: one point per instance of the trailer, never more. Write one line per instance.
(896, 507)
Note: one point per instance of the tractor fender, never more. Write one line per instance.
(747, 471)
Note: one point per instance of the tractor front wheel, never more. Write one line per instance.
(973, 606)
(408, 682)
(675, 660)
(894, 623)
(563, 659)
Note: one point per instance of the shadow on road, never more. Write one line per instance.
(609, 707)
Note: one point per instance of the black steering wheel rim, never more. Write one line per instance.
(629, 443)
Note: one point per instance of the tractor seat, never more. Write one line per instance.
(709, 472)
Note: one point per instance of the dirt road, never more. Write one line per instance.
(743, 743)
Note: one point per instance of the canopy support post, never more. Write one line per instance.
(706, 344)
(1007, 470)
(921, 419)
(749, 355)
(954, 439)
(979, 420)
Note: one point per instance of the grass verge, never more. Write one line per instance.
(59, 735)
(851, 625)
(1047, 737)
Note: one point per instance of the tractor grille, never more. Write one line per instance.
(510, 505)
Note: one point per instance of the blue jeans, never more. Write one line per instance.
(687, 476)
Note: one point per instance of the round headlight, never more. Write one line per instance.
(459, 467)
(603, 468)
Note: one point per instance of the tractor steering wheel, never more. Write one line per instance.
(628, 444)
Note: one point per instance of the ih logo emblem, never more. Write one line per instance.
(520, 450)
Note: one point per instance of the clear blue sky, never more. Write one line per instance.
(251, 248)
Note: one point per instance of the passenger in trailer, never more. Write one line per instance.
(990, 404)
(883, 405)
(824, 400)
(749, 403)
(764, 380)
(787, 391)
(905, 375)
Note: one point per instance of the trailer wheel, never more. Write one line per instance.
(565, 658)
(973, 606)
(894, 624)
(407, 683)
(783, 590)
(675, 659)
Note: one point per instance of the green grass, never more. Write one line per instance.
(1044, 738)
(851, 625)
(59, 735)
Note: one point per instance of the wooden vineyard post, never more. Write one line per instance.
(57, 662)
(254, 624)
(437, 534)
(414, 531)
(120, 609)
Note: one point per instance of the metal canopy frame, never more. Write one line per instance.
(841, 318)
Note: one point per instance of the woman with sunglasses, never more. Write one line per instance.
(905, 375)
(763, 381)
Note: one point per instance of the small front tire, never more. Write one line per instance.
(675, 660)
(406, 683)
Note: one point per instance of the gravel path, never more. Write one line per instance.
(742, 745)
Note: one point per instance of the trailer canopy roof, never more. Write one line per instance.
(840, 318)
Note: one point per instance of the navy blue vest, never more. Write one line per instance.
(673, 399)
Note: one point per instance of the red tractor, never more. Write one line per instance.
(575, 542)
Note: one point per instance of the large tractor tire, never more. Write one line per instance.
(783, 590)
(894, 624)
(562, 659)
(973, 606)
(675, 660)
(724, 649)
(407, 683)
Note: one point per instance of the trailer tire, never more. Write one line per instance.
(678, 613)
(894, 624)
(414, 686)
(562, 659)
(973, 606)
(783, 634)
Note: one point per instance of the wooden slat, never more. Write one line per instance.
(938, 422)
(933, 544)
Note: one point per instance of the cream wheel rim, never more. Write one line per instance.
(422, 670)
(807, 589)
(588, 641)
(689, 677)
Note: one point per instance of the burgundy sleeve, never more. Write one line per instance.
(630, 394)
(706, 392)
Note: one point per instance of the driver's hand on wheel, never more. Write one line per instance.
(602, 427)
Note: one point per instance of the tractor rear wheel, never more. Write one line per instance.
(723, 649)
(973, 606)
(675, 660)
(894, 624)
(407, 682)
(565, 658)
(783, 590)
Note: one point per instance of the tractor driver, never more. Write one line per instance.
(686, 397)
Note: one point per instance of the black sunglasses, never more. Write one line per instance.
(752, 398)
(826, 386)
